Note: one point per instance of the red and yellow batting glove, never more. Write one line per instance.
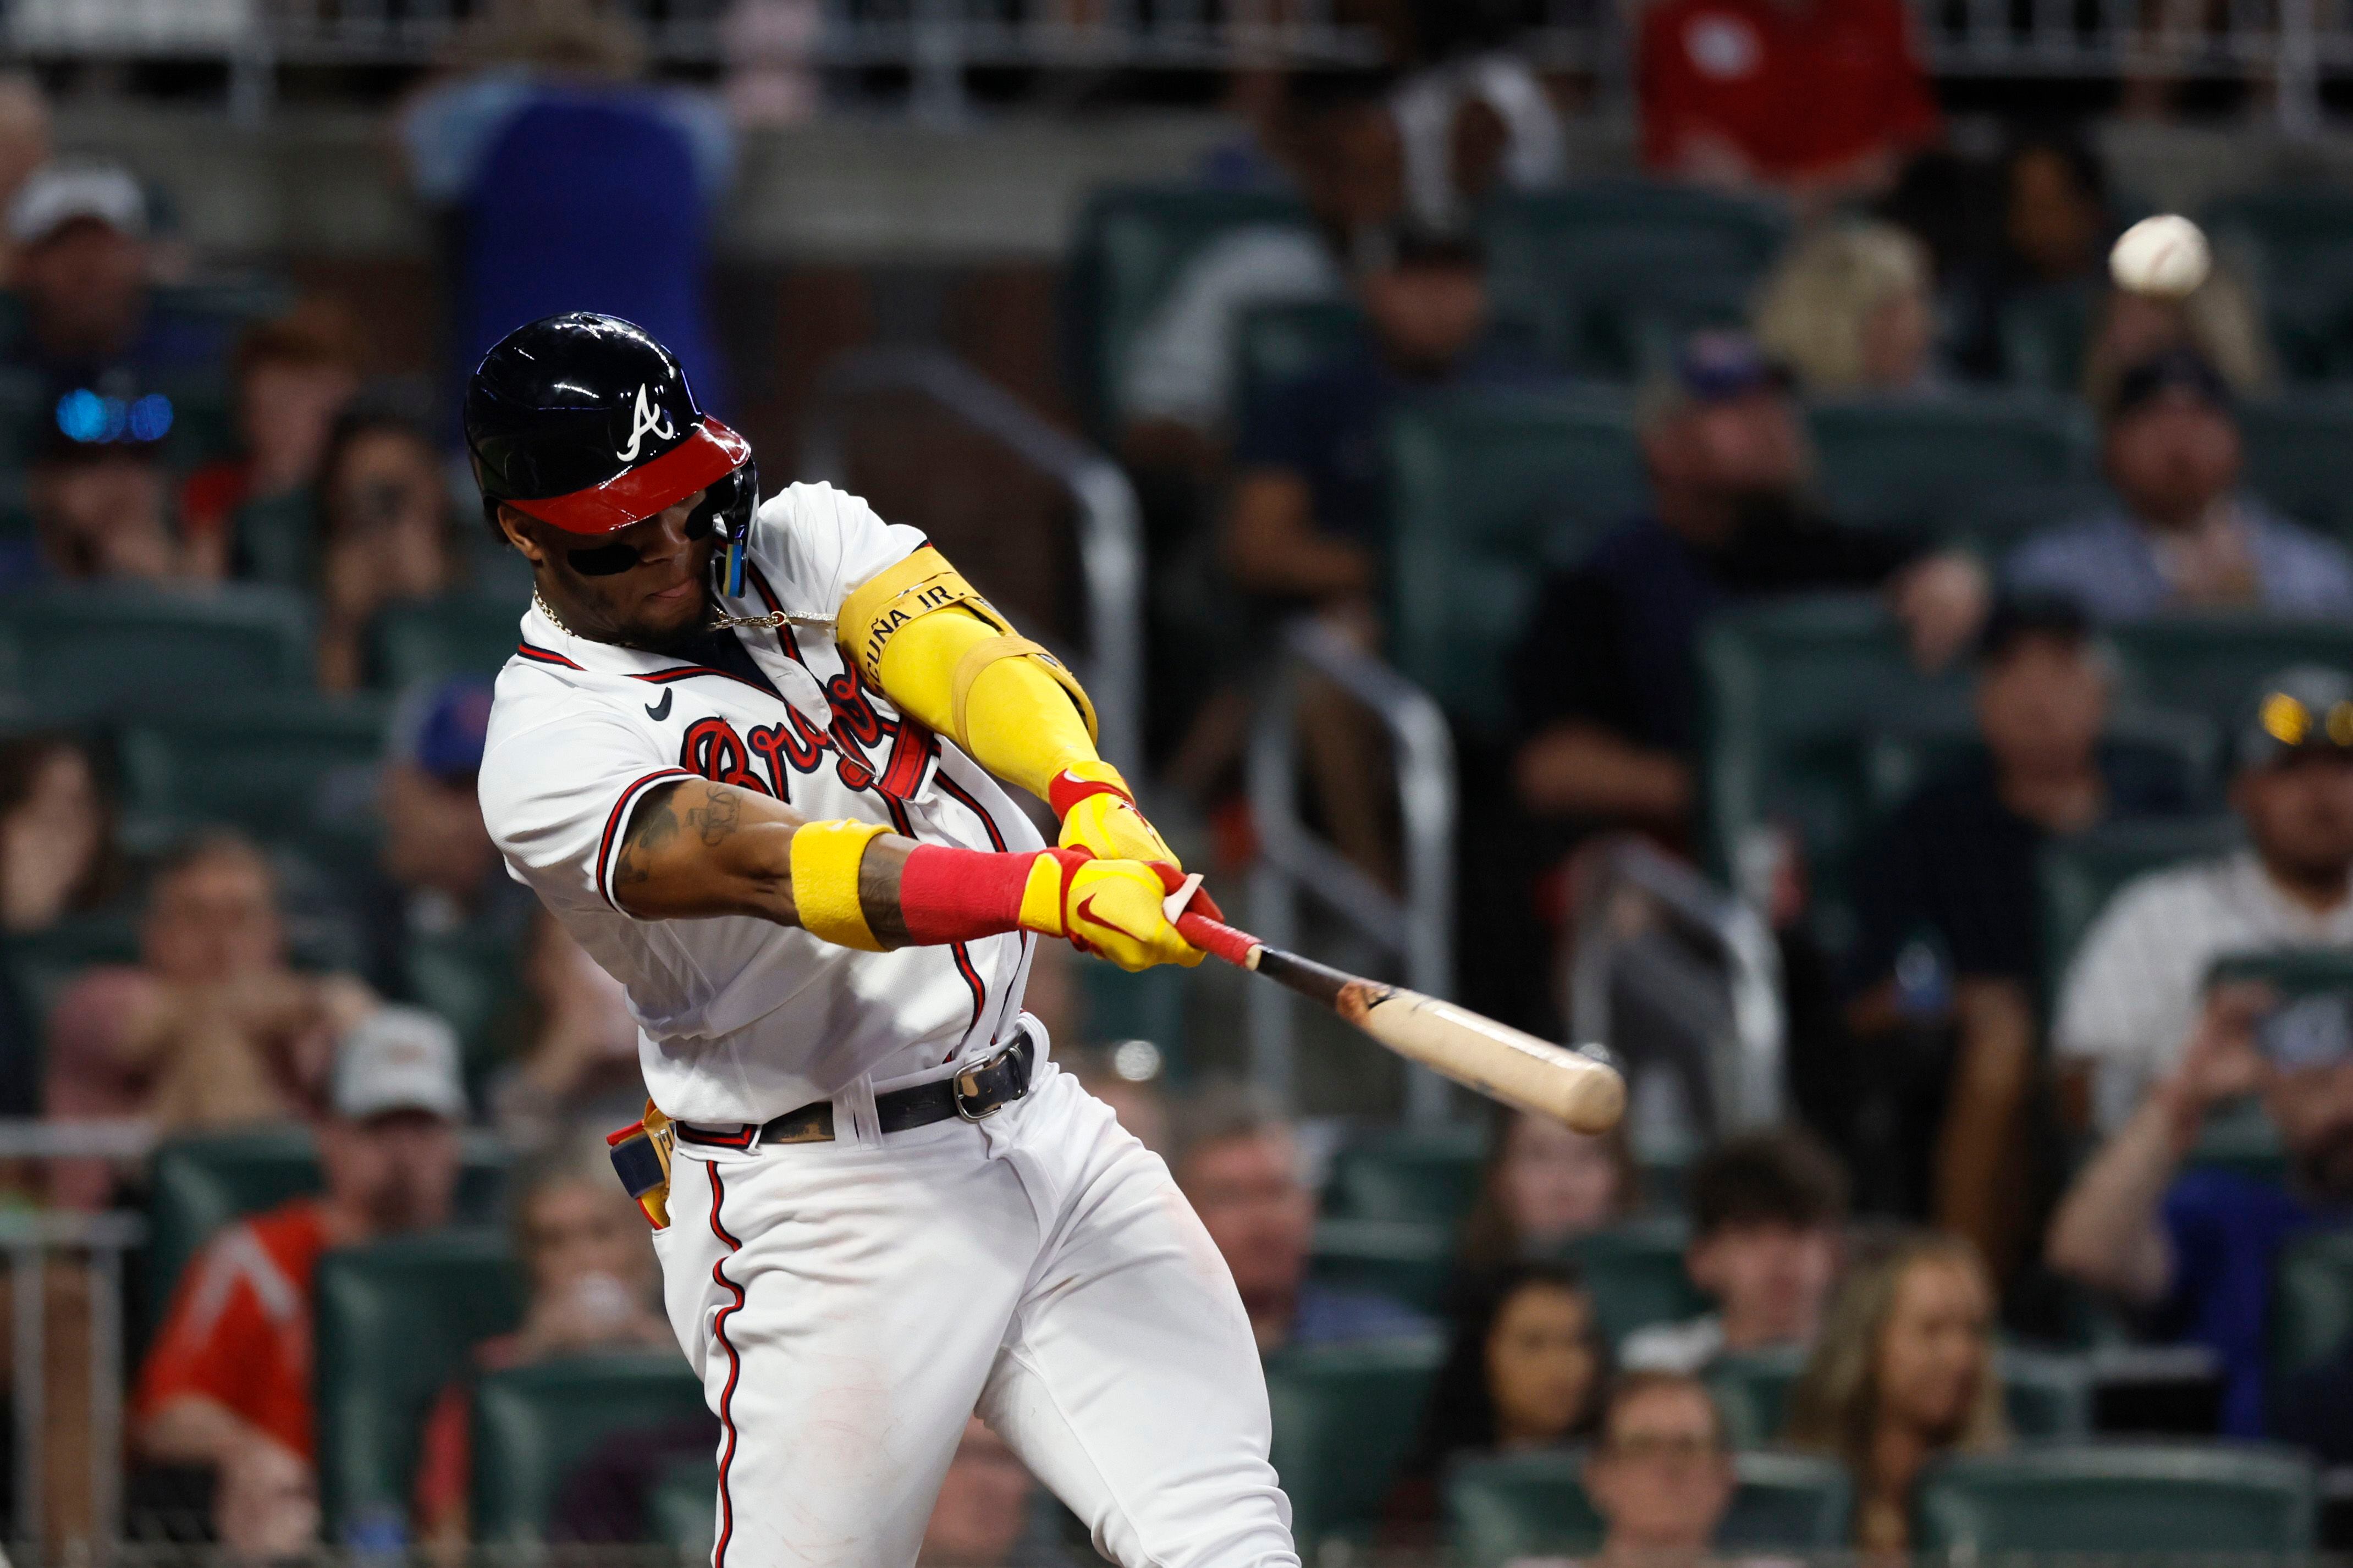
(1100, 815)
(1111, 908)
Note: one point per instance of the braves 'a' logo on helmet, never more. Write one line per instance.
(648, 419)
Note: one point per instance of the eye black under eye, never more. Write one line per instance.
(604, 560)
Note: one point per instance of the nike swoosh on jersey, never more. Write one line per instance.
(658, 712)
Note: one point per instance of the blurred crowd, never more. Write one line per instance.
(1991, 1142)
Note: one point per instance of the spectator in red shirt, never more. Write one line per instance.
(227, 1385)
(1818, 97)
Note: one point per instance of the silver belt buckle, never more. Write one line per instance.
(968, 1082)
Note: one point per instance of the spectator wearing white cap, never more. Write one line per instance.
(227, 1385)
(81, 231)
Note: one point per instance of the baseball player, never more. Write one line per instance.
(749, 754)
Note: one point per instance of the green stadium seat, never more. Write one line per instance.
(1990, 465)
(1408, 1175)
(2294, 244)
(2295, 448)
(2043, 1396)
(684, 1512)
(1345, 1419)
(275, 541)
(2081, 874)
(1520, 1506)
(1752, 1389)
(1279, 343)
(2043, 333)
(201, 1183)
(1148, 1005)
(2209, 664)
(1132, 242)
(1794, 696)
(533, 1424)
(1400, 1259)
(2312, 1301)
(289, 766)
(1635, 1273)
(473, 979)
(395, 1321)
(457, 634)
(1614, 272)
(80, 650)
(1486, 489)
(2175, 1499)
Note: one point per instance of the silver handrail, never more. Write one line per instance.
(1111, 533)
(28, 1237)
(1417, 928)
(1745, 1069)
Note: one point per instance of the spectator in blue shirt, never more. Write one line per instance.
(2196, 1249)
(2182, 536)
(573, 187)
(1239, 1163)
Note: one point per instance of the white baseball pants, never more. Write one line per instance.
(849, 1307)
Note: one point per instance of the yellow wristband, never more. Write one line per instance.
(1042, 898)
(825, 861)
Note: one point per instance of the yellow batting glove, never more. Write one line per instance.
(1099, 815)
(1109, 908)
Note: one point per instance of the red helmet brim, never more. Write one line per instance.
(709, 454)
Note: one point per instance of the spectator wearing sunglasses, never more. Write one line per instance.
(2130, 1008)
(385, 531)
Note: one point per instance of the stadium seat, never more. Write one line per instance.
(81, 650)
(2312, 1306)
(1345, 1419)
(1487, 489)
(1635, 1272)
(1132, 242)
(533, 1424)
(1279, 343)
(457, 634)
(1992, 465)
(201, 1183)
(2176, 1498)
(2209, 664)
(1793, 695)
(2082, 873)
(275, 541)
(1408, 1175)
(473, 979)
(395, 1321)
(1147, 1006)
(1521, 1506)
(1614, 272)
(1403, 1260)
(284, 766)
(2043, 333)
(2295, 448)
(2044, 1397)
(682, 1513)
(2294, 245)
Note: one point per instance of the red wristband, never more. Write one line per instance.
(962, 895)
(1065, 790)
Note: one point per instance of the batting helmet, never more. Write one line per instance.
(585, 423)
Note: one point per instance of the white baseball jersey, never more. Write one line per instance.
(741, 1019)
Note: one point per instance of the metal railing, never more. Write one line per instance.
(32, 1239)
(1111, 538)
(1417, 928)
(1654, 940)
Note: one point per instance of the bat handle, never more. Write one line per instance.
(1236, 947)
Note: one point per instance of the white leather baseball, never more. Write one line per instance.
(2164, 255)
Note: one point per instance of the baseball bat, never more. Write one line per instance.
(1496, 1059)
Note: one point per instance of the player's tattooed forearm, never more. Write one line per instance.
(653, 825)
(878, 896)
(716, 819)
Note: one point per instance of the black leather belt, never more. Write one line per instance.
(975, 1094)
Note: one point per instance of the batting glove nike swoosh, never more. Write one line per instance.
(1109, 908)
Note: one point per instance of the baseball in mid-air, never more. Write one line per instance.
(2164, 255)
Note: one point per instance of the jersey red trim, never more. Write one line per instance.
(544, 656)
(735, 1368)
(709, 453)
(613, 829)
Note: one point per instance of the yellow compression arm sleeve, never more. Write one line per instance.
(958, 667)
